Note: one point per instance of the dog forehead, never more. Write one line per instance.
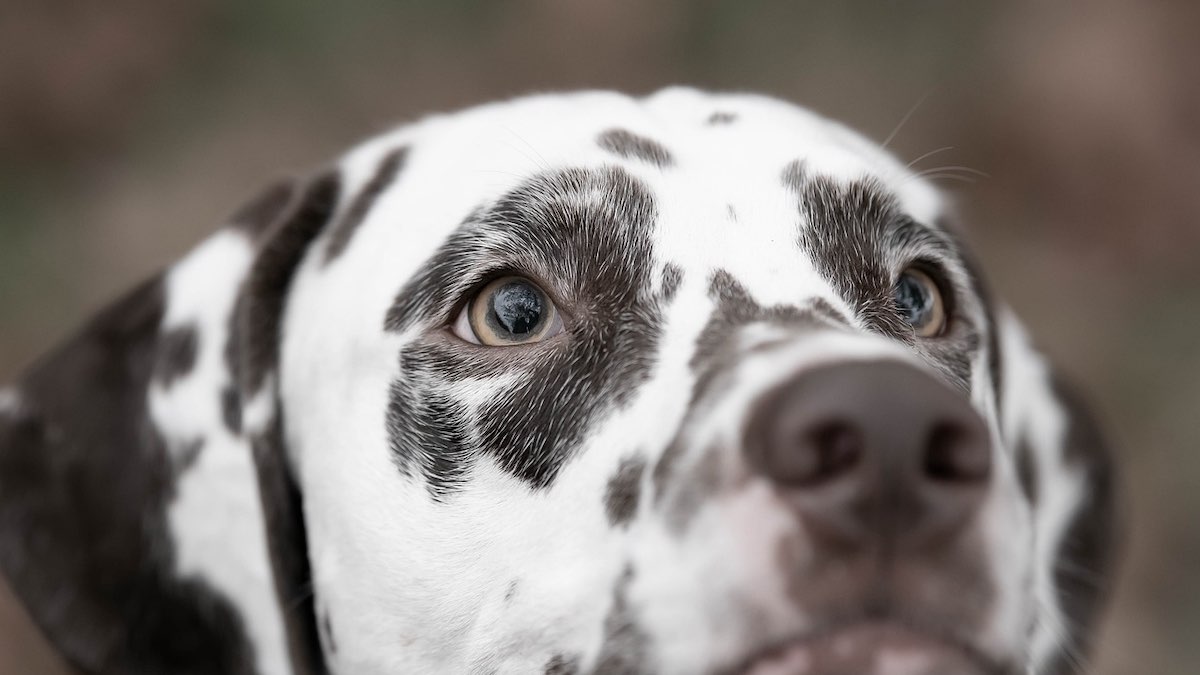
(714, 165)
(719, 144)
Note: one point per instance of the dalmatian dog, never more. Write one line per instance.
(695, 384)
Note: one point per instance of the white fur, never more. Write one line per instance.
(215, 518)
(421, 587)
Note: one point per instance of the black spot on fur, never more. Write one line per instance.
(256, 216)
(287, 544)
(1027, 471)
(983, 294)
(584, 235)
(716, 349)
(186, 454)
(327, 632)
(624, 489)
(254, 349)
(511, 592)
(631, 146)
(430, 433)
(672, 277)
(1084, 561)
(721, 118)
(625, 647)
(860, 241)
(562, 664)
(846, 234)
(795, 176)
(735, 309)
(994, 357)
(231, 410)
(261, 307)
(231, 397)
(701, 483)
(384, 176)
(85, 482)
(176, 354)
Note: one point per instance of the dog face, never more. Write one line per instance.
(588, 384)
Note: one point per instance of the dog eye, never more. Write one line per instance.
(920, 302)
(507, 312)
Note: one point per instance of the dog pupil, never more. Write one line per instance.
(912, 299)
(516, 309)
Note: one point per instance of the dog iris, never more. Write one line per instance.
(919, 301)
(516, 309)
(509, 311)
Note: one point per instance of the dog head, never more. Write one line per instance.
(568, 384)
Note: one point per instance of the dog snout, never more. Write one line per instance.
(872, 451)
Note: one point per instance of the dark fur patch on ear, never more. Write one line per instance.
(624, 490)
(721, 118)
(176, 354)
(981, 290)
(1084, 563)
(1026, 471)
(85, 482)
(287, 543)
(385, 175)
(231, 410)
(253, 353)
(264, 293)
(629, 145)
(256, 216)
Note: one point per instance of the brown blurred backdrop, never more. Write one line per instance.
(129, 128)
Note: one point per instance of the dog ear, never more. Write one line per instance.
(257, 335)
(1064, 467)
(86, 476)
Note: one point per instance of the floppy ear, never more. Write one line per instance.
(259, 314)
(1065, 470)
(87, 476)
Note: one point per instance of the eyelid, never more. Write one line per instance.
(480, 279)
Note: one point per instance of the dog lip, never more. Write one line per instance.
(882, 647)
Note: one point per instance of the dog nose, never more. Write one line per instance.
(871, 449)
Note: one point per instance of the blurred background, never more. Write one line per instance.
(130, 128)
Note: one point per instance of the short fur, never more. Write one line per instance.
(277, 456)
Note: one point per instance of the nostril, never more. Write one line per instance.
(954, 454)
(836, 447)
(812, 454)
